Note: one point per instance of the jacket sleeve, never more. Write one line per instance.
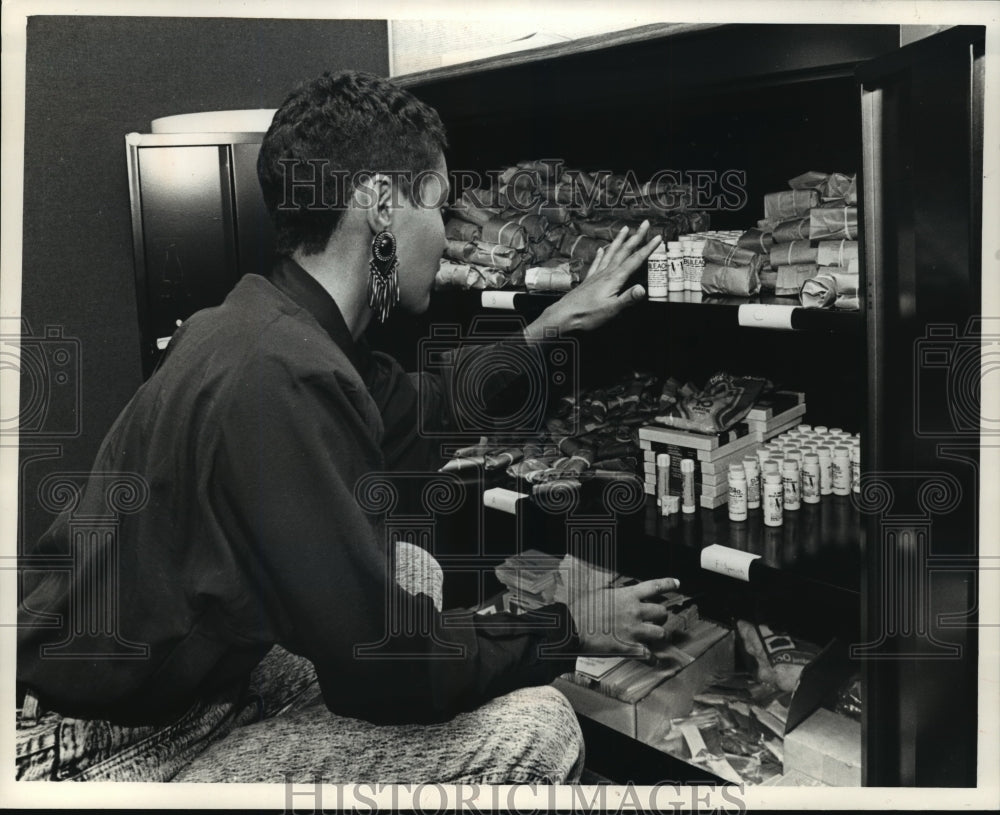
(293, 447)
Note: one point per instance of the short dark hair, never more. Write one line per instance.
(348, 123)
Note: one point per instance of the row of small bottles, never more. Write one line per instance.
(800, 466)
(677, 266)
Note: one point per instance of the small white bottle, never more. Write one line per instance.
(685, 242)
(737, 492)
(656, 272)
(662, 478)
(856, 468)
(825, 470)
(752, 469)
(841, 470)
(810, 478)
(790, 481)
(763, 454)
(697, 262)
(687, 486)
(675, 267)
(774, 500)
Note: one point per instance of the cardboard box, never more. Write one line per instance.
(611, 712)
(827, 747)
(631, 718)
(675, 697)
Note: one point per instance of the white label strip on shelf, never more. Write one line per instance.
(499, 299)
(503, 499)
(761, 315)
(730, 562)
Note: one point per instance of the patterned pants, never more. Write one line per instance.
(281, 731)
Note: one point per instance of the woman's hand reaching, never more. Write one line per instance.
(599, 297)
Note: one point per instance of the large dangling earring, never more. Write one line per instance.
(383, 282)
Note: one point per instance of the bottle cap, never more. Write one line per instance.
(752, 460)
(824, 452)
(810, 457)
(840, 451)
(687, 465)
(789, 466)
(804, 428)
(821, 429)
(662, 459)
(772, 478)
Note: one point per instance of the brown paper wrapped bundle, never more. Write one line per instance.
(526, 175)
(811, 180)
(540, 251)
(605, 229)
(503, 458)
(573, 266)
(539, 278)
(564, 191)
(698, 221)
(557, 232)
(826, 224)
(791, 278)
(506, 233)
(485, 254)
(740, 281)
(756, 240)
(794, 229)
(534, 226)
(458, 230)
(580, 247)
(469, 209)
(591, 185)
(727, 254)
(780, 206)
(851, 196)
(837, 186)
(468, 276)
(667, 230)
(481, 198)
(554, 213)
(785, 254)
(837, 253)
(829, 288)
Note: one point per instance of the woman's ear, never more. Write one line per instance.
(375, 196)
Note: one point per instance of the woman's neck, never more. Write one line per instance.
(342, 270)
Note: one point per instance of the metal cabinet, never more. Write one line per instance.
(198, 224)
